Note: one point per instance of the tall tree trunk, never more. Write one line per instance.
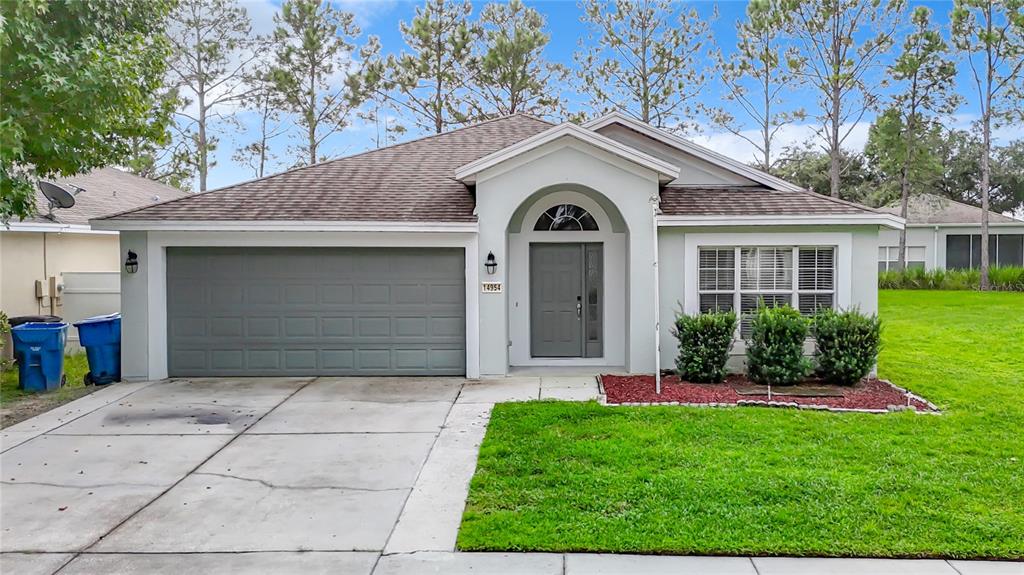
(986, 150)
(201, 144)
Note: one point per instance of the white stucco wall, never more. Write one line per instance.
(500, 191)
(934, 239)
(856, 268)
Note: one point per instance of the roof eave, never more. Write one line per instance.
(866, 219)
(393, 226)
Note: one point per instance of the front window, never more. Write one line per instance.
(889, 257)
(565, 217)
(964, 251)
(739, 278)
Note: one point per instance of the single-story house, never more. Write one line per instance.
(512, 243)
(39, 254)
(946, 234)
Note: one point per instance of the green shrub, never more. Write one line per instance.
(847, 344)
(1002, 278)
(704, 343)
(775, 349)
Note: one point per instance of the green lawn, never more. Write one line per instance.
(581, 477)
(17, 405)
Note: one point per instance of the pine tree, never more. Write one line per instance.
(836, 56)
(427, 81)
(757, 80)
(990, 36)
(926, 78)
(314, 42)
(643, 58)
(210, 39)
(509, 73)
(261, 100)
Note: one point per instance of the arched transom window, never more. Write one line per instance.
(566, 217)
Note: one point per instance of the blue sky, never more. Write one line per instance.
(382, 17)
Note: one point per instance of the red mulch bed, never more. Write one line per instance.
(869, 394)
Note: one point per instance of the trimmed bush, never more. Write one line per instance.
(847, 344)
(775, 349)
(704, 343)
(1005, 278)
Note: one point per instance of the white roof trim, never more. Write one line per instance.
(1019, 224)
(885, 220)
(468, 172)
(283, 226)
(53, 228)
(699, 151)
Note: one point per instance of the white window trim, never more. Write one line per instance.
(842, 242)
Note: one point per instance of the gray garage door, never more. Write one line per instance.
(316, 311)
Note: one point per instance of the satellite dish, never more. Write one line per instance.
(58, 196)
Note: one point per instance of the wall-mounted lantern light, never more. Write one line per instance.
(131, 265)
(491, 264)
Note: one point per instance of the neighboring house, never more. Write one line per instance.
(511, 243)
(39, 256)
(942, 233)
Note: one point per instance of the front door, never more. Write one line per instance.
(565, 300)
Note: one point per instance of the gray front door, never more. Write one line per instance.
(565, 300)
(315, 311)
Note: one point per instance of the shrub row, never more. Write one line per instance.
(1005, 278)
(846, 345)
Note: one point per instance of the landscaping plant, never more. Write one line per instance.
(1003, 278)
(847, 344)
(775, 349)
(704, 343)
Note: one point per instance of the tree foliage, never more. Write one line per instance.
(508, 70)
(314, 42)
(808, 166)
(924, 78)
(758, 81)
(261, 99)
(644, 59)
(839, 43)
(77, 87)
(211, 41)
(428, 80)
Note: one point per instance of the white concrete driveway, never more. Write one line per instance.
(328, 475)
(275, 475)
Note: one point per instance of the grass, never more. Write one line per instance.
(582, 477)
(17, 405)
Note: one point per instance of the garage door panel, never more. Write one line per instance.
(309, 311)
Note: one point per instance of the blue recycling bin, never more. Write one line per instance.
(101, 338)
(39, 350)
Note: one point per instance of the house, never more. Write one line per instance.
(512, 243)
(40, 255)
(945, 234)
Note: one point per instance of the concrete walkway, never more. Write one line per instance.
(293, 475)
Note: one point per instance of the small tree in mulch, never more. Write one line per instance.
(775, 349)
(847, 344)
(704, 343)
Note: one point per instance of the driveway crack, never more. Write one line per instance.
(271, 485)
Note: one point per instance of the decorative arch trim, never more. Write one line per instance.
(515, 224)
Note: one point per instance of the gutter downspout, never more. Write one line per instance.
(935, 247)
(657, 296)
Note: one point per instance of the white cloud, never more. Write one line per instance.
(796, 135)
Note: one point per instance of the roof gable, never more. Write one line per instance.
(568, 131)
(717, 165)
(927, 209)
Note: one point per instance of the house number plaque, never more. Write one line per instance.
(491, 287)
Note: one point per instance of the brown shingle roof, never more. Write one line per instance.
(932, 209)
(412, 181)
(107, 191)
(752, 201)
